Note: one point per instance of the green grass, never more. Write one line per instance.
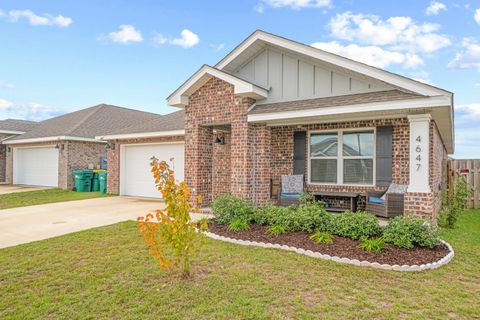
(106, 273)
(31, 198)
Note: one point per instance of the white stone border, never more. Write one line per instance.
(355, 262)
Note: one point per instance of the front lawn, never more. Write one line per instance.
(31, 198)
(107, 273)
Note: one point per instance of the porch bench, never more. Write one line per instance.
(351, 196)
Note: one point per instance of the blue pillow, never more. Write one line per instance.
(289, 195)
(376, 200)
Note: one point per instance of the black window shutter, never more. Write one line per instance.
(299, 150)
(384, 156)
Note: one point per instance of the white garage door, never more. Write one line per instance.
(35, 166)
(136, 179)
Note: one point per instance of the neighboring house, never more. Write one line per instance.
(10, 128)
(275, 107)
(132, 148)
(48, 154)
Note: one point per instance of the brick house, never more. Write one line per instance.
(10, 128)
(279, 107)
(48, 154)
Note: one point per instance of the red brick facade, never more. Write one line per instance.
(254, 156)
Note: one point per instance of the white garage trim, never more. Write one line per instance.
(146, 187)
(35, 165)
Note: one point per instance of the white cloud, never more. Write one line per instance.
(218, 47)
(477, 16)
(6, 85)
(472, 111)
(297, 4)
(259, 7)
(186, 40)
(435, 7)
(398, 33)
(29, 111)
(371, 55)
(469, 57)
(127, 34)
(38, 20)
(477, 84)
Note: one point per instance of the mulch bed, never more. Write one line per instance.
(341, 247)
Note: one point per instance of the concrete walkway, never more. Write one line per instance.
(13, 188)
(27, 224)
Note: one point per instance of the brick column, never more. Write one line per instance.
(198, 161)
(261, 168)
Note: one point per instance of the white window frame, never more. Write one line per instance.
(340, 157)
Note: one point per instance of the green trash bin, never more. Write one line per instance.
(102, 179)
(95, 182)
(83, 180)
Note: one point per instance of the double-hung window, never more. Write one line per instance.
(342, 157)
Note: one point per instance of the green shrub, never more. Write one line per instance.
(322, 237)
(238, 225)
(306, 198)
(454, 202)
(311, 217)
(306, 217)
(407, 231)
(372, 245)
(355, 225)
(227, 207)
(276, 230)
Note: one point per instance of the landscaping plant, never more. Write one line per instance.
(454, 202)
(238, 224)
(322, 237)
(372, 245)
(355, 225)
(408, 230)
(276, 230)
(227, 207)
(171, 238)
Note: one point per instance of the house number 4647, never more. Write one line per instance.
(418, 149)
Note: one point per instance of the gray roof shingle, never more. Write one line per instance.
(88, 123)
(351, 99)
(168, 122)
(17, 125)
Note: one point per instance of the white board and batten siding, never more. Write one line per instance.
(37, 166)
(136, 179)
(289, 77)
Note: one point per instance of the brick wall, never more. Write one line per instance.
(75, 155)
(221, 165)
(113, 159)
(282, 151)
(3, 157)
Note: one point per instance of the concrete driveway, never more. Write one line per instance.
(27, 224)
(13, 188)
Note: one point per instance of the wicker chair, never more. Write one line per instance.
(291, 188)
(392, 206)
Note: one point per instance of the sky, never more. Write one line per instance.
(58, 56)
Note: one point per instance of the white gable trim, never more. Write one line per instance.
(428, 102)
(342, 62)
(142, 135)
(179, 98)
(11, 132)
(54, 138)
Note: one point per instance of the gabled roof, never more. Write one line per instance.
(16, 126)
(179, 98)
(84, 124)
(172, 124)
(259, 39)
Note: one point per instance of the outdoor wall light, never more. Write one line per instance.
(60, 146)
(220, 140)
(9, 149)
(110, 146)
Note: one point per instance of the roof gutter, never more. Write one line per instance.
(50, 139)
(142, 135)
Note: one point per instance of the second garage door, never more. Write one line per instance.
(35, 166)
(135, 176)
